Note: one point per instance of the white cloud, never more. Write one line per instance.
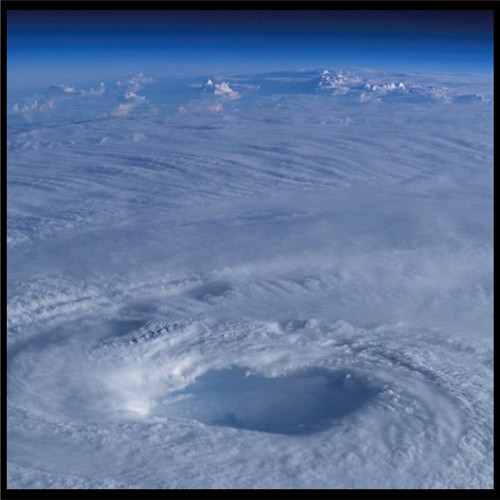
(133, 85)
(129, 95)
(385, 87)
(136, 82)
(35, 106)
(124, 109)
(340, 83)
(224, 90)
(67, 89)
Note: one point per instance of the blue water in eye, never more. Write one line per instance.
(303, 402)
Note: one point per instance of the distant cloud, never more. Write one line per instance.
(35, 106)
(379, 88)
(224, 90)
(363, 86)
(469, 98)
(135, 83)
(53, 94)
(99, 90)
(340, 83)
(69, 90)
(125, 91)
(216, 108)
(124, 109)
(386, 87)
(129, 95)
(66, 89)
(220, 89)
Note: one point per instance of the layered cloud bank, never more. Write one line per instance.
(362, 87)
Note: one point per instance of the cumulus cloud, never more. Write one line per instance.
(67, 89)
(124, 109)
(132, 86)
(412, 90)
(62, 89)
(34, 106)
(385, 87)
(135, 83)
(340, 83)
(132, 99)
(379, 88)
(129, 95)
(224, 90)
(126, 91)
(53, 94)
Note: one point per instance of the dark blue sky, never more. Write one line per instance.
(76, 45)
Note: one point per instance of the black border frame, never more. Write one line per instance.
(212, 5)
